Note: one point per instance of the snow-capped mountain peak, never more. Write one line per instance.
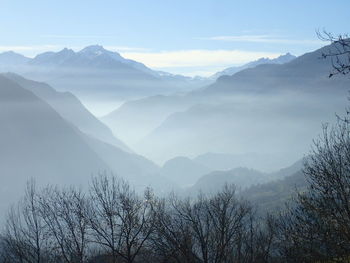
(98, 50)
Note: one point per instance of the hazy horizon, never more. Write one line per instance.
(195, 131)
(237, 58)
(193, 37)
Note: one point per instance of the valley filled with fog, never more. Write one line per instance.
(168, 132)
(91, 122)
(174, 131)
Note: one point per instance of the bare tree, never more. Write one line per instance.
(339, 53)
(231, 222)
(62, 225)
(120, 220)
(316, 227)
(328, 173)
(25, 236)
(172, 240)
(207, 229)
(264, 240)
(64, 214)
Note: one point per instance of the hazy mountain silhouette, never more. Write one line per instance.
(134, 119)
(95, 73)
(225, 161)
(71, 109)
(241, 177)
(306, 73)
(232, 70)
(269, 109)
(11, 58)
(186, 172)
(37, 142)
(244, 179)
(272, 196)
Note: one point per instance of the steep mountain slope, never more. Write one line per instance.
(71, 109)
(37, 142)
(232, 70)
(128, 165)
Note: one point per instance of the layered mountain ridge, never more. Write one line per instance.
(96, 74)
(39, 140)
(232, 70)
(284, 104)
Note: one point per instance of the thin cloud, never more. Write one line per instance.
(34, 50)
(263, 39)
(196, 57)
(126, 49)
(189, 61)
(77, 36)
(30, 51)
(28, 48)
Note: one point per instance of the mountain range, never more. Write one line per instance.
(49, 136)
(70, 108)
(242, 177)
(96, 74)
(262, 117)
(136, 118)
(274, 109)
(232, 70)
(40, 140)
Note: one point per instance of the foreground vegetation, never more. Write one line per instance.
(112, 223)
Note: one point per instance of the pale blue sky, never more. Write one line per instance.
(189, 37)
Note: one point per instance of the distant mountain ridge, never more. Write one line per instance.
(36, 142)
(284, 103)
(90, 56)
(10, 58)
(39, 140)
(150, 112)
(95, 72)
(186, 172)
(232, 70)
(70, 108)
(243, 178)
(273, 196)
(68, 57)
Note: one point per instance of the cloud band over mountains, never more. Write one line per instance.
(189, 62)
(263, 39)
(192, 61)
